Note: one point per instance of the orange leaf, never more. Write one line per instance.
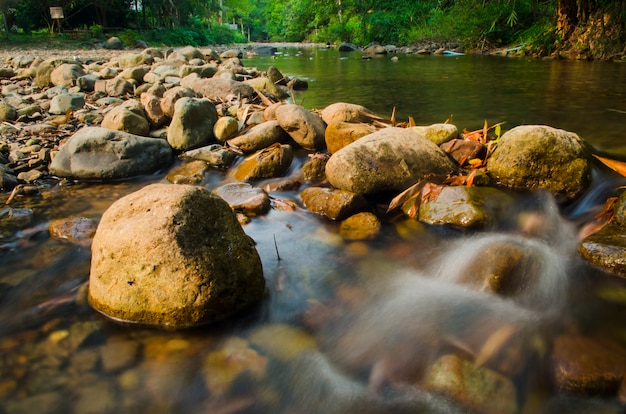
(470, 178)
(617, 166)
(475, 162)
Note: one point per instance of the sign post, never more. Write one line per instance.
(57, 15)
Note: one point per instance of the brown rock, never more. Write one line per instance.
(340, 134)
(77, 230)
(271, 162)
(583, 365)
(332, 203)
(244, 198)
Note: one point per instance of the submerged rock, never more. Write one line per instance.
(173, 256)
(582, 365)
(391, 159)
(361, 226)
(538, 156)
(481, 389)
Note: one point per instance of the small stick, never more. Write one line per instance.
(276, 247)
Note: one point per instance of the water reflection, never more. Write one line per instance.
(470, 88)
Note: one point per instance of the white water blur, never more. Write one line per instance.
(412, 317)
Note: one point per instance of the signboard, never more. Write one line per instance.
(56, 12)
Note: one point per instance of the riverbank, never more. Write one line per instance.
(94, 49)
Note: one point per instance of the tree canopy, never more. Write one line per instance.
(473, 23)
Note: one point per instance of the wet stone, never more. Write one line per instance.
(271, 162)
(77, 230)
(188, 173)
(361, 226)
(479, 388)
(332, 203)
(244, 198)
(215, 155)
(584, 365)
(314, 170)
(464, 206)
(118, 355)
(606, 249)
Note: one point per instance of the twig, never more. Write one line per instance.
(276, 247)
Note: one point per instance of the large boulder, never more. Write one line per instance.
(173, 256)
(306, 128)
(391, 159)
(192, 124)
(539, 156)
(96, 153)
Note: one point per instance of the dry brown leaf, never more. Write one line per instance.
(617, 166)
(406, 195)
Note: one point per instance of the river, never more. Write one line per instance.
(345, 326)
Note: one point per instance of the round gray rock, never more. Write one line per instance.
(99, 154)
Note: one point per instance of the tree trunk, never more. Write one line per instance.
(567, 17)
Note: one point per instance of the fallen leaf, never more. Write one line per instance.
(617, 166)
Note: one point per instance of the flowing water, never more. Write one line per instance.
(345, 326)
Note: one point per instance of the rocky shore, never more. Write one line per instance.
(174, 255)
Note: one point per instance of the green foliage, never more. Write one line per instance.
(128, 36)
(97, 31)
(182, 36)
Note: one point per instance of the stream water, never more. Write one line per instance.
(345, 327)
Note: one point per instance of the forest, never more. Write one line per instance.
(588, 28)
